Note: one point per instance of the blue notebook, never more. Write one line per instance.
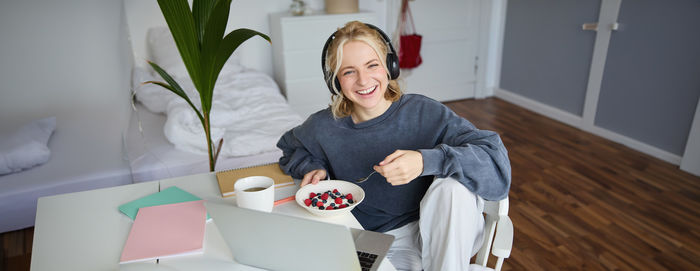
(169, 195)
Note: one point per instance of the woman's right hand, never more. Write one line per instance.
(313, 177)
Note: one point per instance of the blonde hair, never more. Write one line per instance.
(355, 31)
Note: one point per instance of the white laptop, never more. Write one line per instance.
(280, 242)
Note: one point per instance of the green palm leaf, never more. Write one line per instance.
(199, 36)
(173, 86)
(226, 47)
(213, 35)
(181, 23)
(200, 12)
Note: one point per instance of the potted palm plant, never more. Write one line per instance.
(199, 36)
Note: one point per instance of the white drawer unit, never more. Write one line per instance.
(297, 42)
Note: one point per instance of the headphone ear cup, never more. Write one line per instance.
(337, 85)
(330, 85)
(392, 65)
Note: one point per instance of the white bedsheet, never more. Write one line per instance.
(153, 157)
(165, 138)
(248, 112)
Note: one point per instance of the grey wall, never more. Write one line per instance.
(63, 58)
(651, 82)
(546, 55)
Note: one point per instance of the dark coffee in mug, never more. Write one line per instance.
(253, 189)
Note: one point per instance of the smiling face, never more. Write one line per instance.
(363, 80)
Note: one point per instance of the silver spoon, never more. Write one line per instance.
(362, 180)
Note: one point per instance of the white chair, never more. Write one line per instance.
(498, 235)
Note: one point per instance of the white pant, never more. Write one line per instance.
(448, 233)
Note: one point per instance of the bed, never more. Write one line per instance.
(159, 147)
(165, 138)
(80, 160)
(153, 157)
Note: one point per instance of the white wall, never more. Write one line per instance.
(62, 58)
(255, 53)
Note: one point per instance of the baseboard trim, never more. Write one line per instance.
(636, 145)
(577, 121)
(540, 108)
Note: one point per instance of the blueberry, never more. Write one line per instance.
(324, 201)
(342, 197)
(332, 204)
(333, 196)
(321, 207)
(350, 201)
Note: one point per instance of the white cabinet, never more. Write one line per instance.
(297, 42)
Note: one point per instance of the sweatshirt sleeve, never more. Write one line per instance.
(476, 158)
(296, 159)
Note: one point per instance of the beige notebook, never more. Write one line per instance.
(227, 178)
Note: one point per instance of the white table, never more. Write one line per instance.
(86, 231)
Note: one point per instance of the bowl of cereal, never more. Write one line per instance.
(330, 197)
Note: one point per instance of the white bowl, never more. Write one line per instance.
(358, 195)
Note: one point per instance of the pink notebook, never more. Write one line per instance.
(166, 231)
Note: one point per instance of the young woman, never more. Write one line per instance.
(434, 166)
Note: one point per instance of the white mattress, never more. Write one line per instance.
(153, 157)
(86, 153)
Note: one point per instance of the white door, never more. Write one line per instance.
(450, 30)
(691, 156)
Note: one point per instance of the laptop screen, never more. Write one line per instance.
(281, 242)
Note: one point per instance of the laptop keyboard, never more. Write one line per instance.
(366, 260)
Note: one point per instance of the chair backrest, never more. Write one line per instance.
(498, 233)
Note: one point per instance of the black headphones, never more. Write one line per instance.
(392, 60)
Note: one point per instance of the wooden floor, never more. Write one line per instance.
(578, 202)
(16, 249)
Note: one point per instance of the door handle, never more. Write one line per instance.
(594, 26)
(590, 26)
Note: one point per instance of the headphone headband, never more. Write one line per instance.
(392, 61)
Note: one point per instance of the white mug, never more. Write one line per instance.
(255, 192)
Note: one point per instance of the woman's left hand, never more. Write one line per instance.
(401, 167)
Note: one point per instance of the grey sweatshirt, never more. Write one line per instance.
(450, 145)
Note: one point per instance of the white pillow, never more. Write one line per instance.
(27, 147)
(163, 51)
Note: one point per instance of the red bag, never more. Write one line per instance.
(409, 42)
